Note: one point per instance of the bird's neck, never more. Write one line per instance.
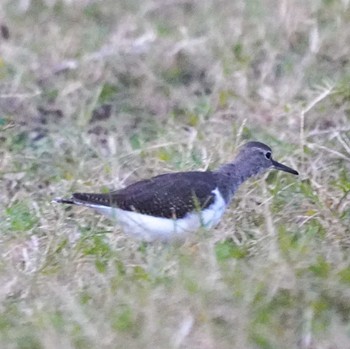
(232, 175)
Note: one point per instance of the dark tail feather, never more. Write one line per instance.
(93, 199)
(64, 201)
(87, 199)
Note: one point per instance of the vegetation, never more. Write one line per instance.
(97, 94)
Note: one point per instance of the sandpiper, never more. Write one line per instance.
(172, 205)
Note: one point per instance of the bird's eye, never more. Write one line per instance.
(268, 155)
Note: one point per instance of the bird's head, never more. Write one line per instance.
(257, 157)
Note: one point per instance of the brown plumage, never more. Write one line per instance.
(170, 195)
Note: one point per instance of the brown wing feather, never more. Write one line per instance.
(170, 195)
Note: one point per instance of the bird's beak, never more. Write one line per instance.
(281, 167)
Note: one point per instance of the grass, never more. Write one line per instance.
(95, 95)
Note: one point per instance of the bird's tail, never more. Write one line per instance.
(65, 201)
(86, 199)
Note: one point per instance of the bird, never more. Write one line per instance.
(173, 205)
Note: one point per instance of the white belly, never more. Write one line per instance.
(151, 228)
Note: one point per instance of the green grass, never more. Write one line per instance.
(97, 94)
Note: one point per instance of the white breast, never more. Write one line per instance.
(151, 228)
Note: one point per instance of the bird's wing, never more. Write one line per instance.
(171, 195)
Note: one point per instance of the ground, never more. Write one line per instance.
(97, 94)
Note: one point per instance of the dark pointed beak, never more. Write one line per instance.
(281, 167)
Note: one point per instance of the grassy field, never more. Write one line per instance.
(97, 94)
